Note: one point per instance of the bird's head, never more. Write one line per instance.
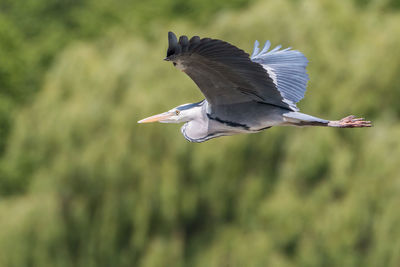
(182, 113)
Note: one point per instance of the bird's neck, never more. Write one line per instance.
(197, 129)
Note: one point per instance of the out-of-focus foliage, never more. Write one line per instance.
(82, 184)
(33, 32)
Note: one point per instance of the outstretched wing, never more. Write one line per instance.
(224, 73)
(287, 68)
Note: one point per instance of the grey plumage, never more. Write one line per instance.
(287, 66)
(224, 73)
(243, 94)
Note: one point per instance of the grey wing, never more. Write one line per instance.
(224, 73)
(287, 68)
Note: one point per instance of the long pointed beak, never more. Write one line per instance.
(158, 117)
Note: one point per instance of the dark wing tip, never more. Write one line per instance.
(176, 47)
(184, 43)
(172, 44)
(171, 35)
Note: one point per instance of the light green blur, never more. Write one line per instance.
(82, 184)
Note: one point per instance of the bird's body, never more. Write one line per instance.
(243, 94)
(239, 118)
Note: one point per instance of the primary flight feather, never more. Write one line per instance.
(243, 94)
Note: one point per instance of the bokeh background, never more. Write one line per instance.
(82, 184)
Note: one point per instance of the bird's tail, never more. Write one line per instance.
(301, 119)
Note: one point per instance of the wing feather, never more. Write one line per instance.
(288, 67)
(224, 73)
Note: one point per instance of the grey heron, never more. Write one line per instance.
(243, 94)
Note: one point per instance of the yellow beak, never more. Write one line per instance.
(158, 117)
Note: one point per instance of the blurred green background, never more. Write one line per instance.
(82, 184)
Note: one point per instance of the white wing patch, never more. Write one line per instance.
(179, 65)
(286, 68)
(271, 73)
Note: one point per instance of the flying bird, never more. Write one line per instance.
(243, 94)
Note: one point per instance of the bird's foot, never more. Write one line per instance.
(350, 122)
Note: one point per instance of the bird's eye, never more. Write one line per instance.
(177, 112)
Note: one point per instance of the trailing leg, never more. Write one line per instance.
(301, 119)
(350, 122)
